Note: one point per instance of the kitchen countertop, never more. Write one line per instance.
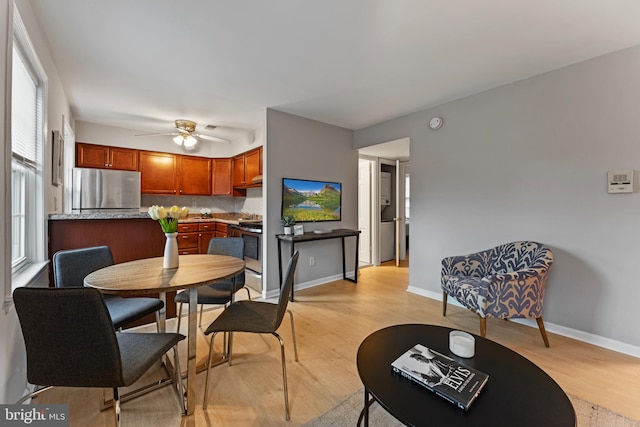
(227, 218)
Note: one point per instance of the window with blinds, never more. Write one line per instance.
(25, 112)
(26, 162)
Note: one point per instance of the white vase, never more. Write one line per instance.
(170, 251)
(287, 230)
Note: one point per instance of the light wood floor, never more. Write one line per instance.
(331, 321)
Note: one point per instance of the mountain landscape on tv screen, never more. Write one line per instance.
(322, 204)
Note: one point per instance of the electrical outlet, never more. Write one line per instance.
(312, 260)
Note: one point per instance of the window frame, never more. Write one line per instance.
(30, 269)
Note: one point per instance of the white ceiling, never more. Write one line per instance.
(352, 63)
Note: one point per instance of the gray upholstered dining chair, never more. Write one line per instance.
(71, 266)
(71, 342)
(256, 317)
(219, 293)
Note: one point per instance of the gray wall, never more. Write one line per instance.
(301, 148)
(529, 161)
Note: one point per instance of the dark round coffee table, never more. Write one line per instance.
(518, 392)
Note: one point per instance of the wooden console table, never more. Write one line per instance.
(339, 233)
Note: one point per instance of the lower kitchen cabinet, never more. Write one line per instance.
(194, 237)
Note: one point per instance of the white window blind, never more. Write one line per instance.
(25, 112)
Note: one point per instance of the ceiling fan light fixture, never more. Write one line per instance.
(189, 141)
(178, 139)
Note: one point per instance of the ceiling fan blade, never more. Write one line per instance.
(212, 138)
(156, 134)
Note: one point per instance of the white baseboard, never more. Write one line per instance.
(600, 341)
(310, 284)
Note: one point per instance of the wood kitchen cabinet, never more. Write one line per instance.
(188, 238)
(246, 166)
(194, 176)
(221, 230)
(158, 173)
(221, 177)
(194, 237)
(106, 157)
(238, 171)
(206, 232)
(173, 174)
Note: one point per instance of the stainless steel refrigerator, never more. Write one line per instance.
(105, 189)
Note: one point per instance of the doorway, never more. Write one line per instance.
(383, 200)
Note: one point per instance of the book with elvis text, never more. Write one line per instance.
(457, 383)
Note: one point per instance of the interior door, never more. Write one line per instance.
(365, 169)
(402, 169)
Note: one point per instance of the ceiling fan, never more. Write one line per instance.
(186, 134)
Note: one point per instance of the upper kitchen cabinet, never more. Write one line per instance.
(246, 166)
(194, 176)
(158, 173)
(173, 174)
(106, 157)
(252, 165)
(221, 177)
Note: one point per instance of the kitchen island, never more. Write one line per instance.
(131, 235)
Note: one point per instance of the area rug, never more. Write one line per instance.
(346, 414)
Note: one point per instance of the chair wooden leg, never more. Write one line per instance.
(201, 310)
(444, 303)
(483, 326)
(284, 377)
(248, 293)
(542, 331)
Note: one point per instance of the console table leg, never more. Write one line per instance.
(293, 286)
(344, 266)
(279, 264)
(355, 279)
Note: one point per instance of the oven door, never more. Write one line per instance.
(252, 250)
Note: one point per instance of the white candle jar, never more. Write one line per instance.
(462, 344)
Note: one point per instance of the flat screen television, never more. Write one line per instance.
(311, 201)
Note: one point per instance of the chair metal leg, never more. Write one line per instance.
(230, 349)
(178, 379)
(248, 293)
(157, 321)
(444, 303)
(284, 376)
(116, 406)
(179, 316)
(483, 326)
(293, 334)
(33, 394)
(542, 331)
(206, 382)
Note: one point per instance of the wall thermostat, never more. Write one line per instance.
(435, 123)
(620, 181)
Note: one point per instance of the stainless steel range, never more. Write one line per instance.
(251, 233)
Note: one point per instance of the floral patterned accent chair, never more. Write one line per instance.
(507, 281)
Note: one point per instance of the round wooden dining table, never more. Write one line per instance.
(147, 275)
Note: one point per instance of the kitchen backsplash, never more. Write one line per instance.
(250, 204)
